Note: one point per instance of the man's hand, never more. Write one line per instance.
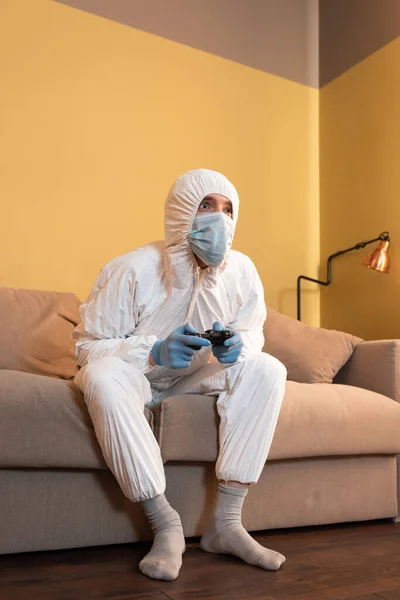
(230, 350)
(175, 351)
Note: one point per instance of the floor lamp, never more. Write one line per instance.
(378, 260)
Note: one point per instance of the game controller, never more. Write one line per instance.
(217, 338)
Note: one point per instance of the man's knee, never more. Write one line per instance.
(267, 366)
(103, 380)
(97, 373)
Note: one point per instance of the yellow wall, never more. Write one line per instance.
(360, 193)
(99, 119)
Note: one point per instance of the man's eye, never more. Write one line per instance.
(204, 205)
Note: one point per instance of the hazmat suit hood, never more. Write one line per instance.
(181, 207)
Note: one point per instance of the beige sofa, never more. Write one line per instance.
(333, 457)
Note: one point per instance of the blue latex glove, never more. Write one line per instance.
(230, 351)
(175, 352)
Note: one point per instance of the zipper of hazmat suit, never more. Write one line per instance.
(199, 278)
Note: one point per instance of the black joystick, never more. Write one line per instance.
(217, 338)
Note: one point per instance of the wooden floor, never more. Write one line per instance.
(353, 562)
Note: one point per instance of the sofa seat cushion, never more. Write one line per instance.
(44, 423)
(315, 420)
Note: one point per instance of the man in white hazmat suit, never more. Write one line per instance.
(133, 351)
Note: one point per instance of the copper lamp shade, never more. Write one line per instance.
(379, 259)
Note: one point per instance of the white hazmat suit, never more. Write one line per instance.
(142, 297)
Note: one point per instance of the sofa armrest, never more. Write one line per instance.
(374, 366)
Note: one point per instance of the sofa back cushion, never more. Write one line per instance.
(36, 332)
(310, 354)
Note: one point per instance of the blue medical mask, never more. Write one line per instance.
(211, 237)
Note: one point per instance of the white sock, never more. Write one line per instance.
(165, 557)
(225, 533)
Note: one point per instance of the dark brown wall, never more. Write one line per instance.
(351, 30)
(276, 36)
(308, 41)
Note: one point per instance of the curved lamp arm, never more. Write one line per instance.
(385, 236)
